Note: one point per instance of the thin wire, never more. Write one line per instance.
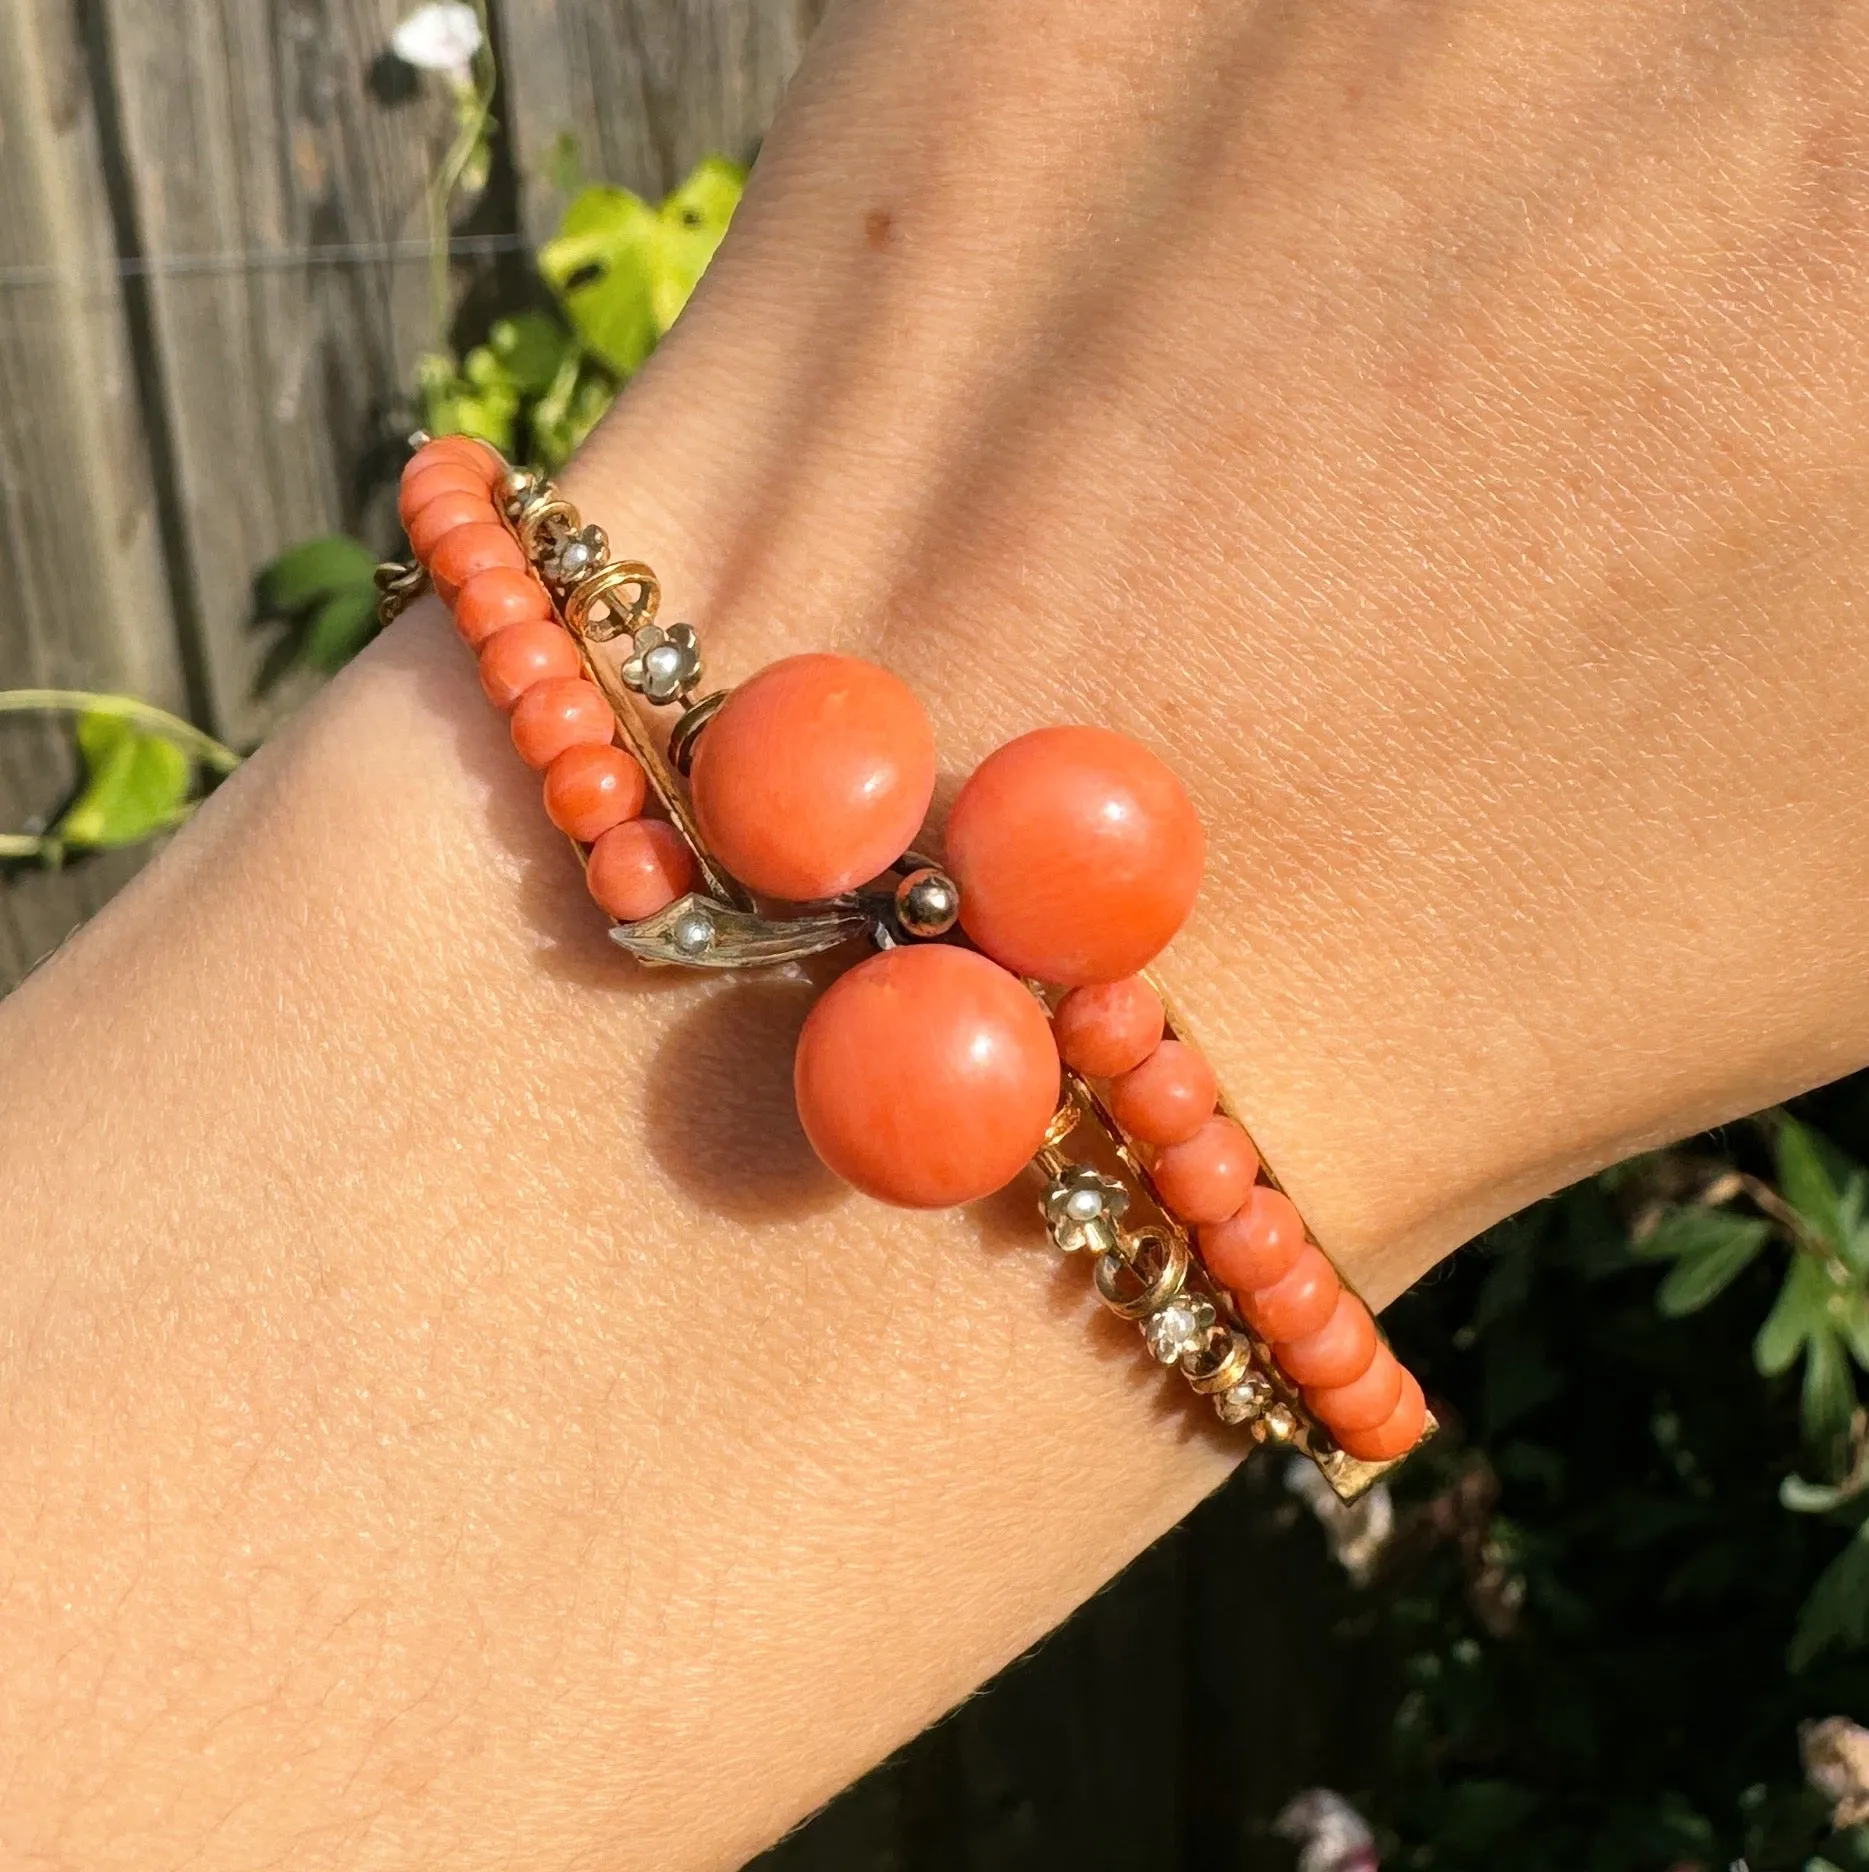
(264, 260)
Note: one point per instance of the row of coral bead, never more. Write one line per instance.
(1163, 1093)
(530, 669)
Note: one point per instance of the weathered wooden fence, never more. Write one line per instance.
(213, 284)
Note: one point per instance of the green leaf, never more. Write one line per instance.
(600, 264)
(1810, 1177)
(303, 576)
(531, 349)
(1691, 1230)
(1853, 1224)
(1800, 1311)
(1836, 1611)
(136, 785)
(339, 628)
(1849, 1310)
(1803, 1497)
(483, 372)
(1829, 1391)
(694, 220)
(1712, 1250)
(481, 399)
(623, 270)
(564, 417)
(1476, 1815)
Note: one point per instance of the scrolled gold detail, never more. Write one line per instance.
(618, 620)
(1209, 1375)
(397, 588)
(536, 515)
(1152, 1291)
(1064, 1120)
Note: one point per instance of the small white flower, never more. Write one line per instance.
(1836, 1763)
(1331, 1835)
(1358, 1531)
(440, 37)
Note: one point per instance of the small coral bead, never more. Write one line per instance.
(638, 868)
(521, 655)
(493, 599)
(457, 507)
(589, 789)
(1258, 1244)
(1397, 1434)
(1108, 1028)
(1205, 1178)
(1078, 855)
(1336, 1353)
(1299, 1303)
(1363, 1403)
(565, 713)
(1168, 1097)
(814, 776)
(457, 448)
(926, 1076)
(449, 477)
(473, 548)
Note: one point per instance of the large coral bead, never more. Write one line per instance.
(926, 1077)
(1078, 855)
(814, 776)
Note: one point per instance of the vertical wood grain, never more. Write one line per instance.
(83, 590)
(266, 179)
(642, 89)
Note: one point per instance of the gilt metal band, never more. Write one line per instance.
(1099, 1197)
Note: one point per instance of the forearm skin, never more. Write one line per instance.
(446, 1415)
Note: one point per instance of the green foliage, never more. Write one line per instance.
(1821, 1311)
(326, 590)
(1638, 1556)
(1709, 1249)
(136, 785)
(621, 271)
(140, 769)
(1836, 1610)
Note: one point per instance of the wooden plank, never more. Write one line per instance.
(857, 1832)
(1073, 1756)
(641, 89)
(1277, 1674)
(277, 196)
(81, 561)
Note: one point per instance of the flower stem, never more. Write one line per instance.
(477, 107)
(190, 739)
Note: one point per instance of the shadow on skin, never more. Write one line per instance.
(723, 1123)
(1009, 1223)
(575, 943)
